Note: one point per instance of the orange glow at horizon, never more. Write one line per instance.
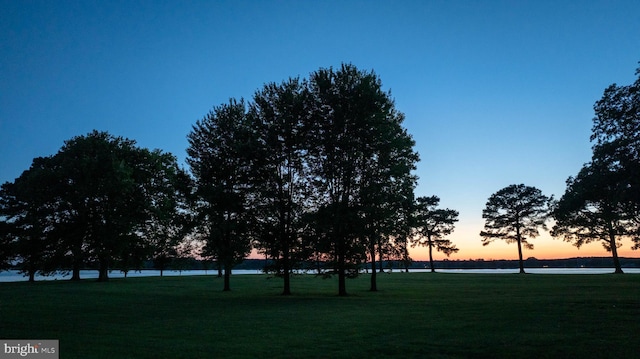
(467, 239)
(544, 247)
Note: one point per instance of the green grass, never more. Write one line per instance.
(414, 315)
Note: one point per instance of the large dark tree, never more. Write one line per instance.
(590, 210)
(108, 189)
(283, 188)
(357, 143)
(616, 137)
(602, 203)
(386, 192)
(87, 203)
(514, 214)
(432, 225)
(28, 209)
(221, 156)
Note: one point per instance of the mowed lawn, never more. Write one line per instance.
(414, 315)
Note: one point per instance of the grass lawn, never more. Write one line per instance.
(414, 315)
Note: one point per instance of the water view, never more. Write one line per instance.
(15, 276)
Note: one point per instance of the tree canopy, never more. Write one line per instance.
(363, 159)
(221, 146)
(87, 203)
(514, 214)
(325, 158)
(431, 226)
(602, 203)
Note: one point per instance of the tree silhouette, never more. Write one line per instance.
(616, 137)
(431, 225)
(602, 203)
(87, 203)
(27, 206)
(283, 188)
(590, 210)
(357, 144)
(220, 151)
(514, 214)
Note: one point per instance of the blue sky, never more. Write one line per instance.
(494, 92)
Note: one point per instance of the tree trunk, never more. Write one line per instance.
(103, 272)
(75, 272)
(520, 256)
(227, 278)
(342, 284)
(374, 284)
(286, 271)
(614, 254)
(32, 276)
(433, 270)
(77, 263)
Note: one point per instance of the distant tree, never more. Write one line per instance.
(282, 189)
(432, 225)
(356, 136)
(514, 214)
(220, 154)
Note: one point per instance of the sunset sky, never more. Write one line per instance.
(494, 92)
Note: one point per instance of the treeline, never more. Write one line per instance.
(315, 170)
(310, 172)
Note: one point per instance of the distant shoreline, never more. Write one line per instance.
(255, 266)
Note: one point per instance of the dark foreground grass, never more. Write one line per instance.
(415, 315)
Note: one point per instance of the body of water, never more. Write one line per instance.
(14, 276)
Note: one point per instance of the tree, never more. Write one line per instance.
(283, 187)
(7, 251)
(27, 206)
(514, 214)
(90, 202)
(108, 189)
(387, 192)
(590, 210)
(602, 203)
(616, 137)
(432, 225)
(357, 142)
(220, 154)
(170, 218)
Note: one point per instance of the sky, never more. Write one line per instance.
(494, 92)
